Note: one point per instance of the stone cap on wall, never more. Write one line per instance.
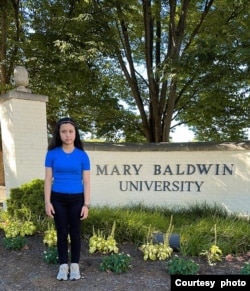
(15, 94)
(164, 146)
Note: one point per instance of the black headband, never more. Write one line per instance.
(66, 120)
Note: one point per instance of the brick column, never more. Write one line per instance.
(24, 133)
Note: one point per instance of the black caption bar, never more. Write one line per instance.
(210, 282)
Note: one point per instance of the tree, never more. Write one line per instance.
(65, 65)
(135, 70)
(194, 55)
(11, 34)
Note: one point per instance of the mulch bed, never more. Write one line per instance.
(26, 270)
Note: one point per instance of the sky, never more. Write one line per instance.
(182, 134)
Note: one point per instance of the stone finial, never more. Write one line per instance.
(21, 79)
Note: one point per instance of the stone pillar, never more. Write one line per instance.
(24, 132)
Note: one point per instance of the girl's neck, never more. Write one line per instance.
(68, 148)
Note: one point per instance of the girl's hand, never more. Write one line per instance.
(49, 210)
(84, 212)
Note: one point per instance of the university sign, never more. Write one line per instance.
(171, 174)
(164, 171)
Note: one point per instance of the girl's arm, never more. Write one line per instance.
(86, 182)
(47, 192)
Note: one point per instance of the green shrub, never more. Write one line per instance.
(28, 196)
(245, 269)
(50, 255)
(180, 266)
(14, 243)
(117, 263)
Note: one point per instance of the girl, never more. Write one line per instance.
(67, 193)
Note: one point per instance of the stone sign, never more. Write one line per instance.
(171, 174)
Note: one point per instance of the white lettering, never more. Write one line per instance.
(196, 283)
(229, 283)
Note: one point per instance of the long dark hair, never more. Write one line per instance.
(56, 140)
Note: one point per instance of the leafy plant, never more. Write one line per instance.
(98, 242)
(50, 236)
(14, 243)
(117, 263)
(160, 251)
(153, 251)
(214, 253)
(180, 266)
(14, 226)
(28, 196)
(50, 256)
(245, 269)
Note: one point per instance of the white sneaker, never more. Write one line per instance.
(63, 272)
(74, 272)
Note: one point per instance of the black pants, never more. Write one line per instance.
(67, 221)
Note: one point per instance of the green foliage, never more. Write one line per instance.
(208, 67)
(50, 255)
(199, 235)
(181, 266)
(246, 269)
(157, 251)
(214, 253)
(5, 88)
(13, 226)
(50, 235)
(132, 222)
(194, 224)
(28, 197)
(14, 243)
(99, 243)
(116, 263)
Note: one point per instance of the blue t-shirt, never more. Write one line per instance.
(67, 169)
